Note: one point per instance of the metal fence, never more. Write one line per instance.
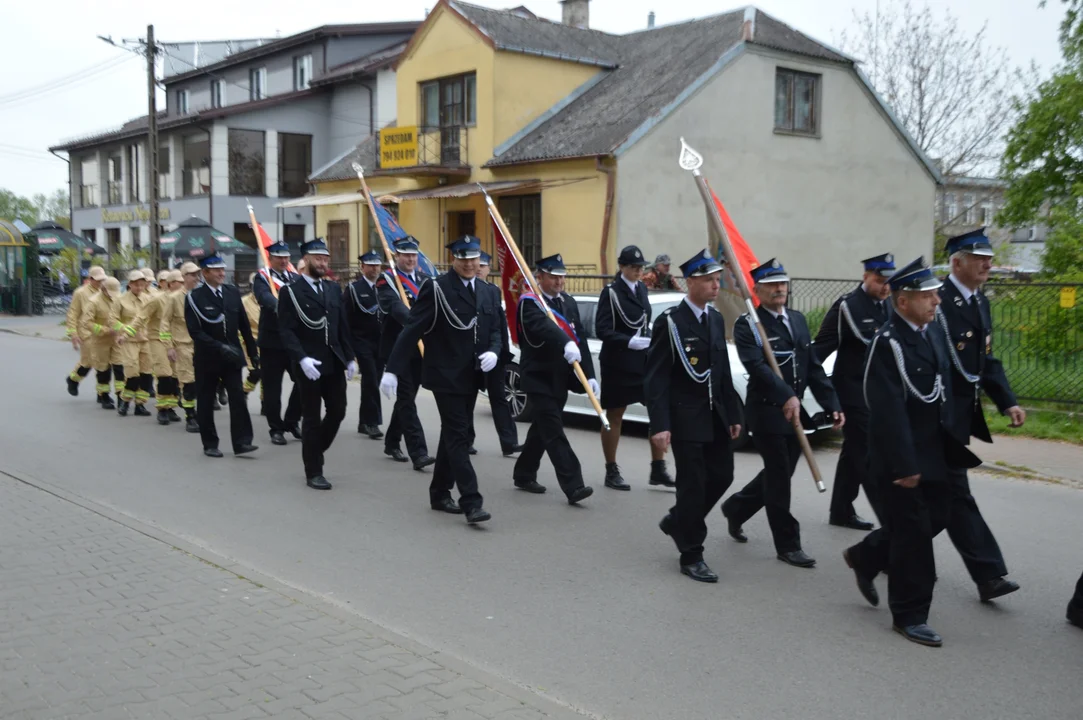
(1037, 331)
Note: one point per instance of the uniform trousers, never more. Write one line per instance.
(370, 370)
(904, 547)
(86, 362)
(770, 489)
(493, 382)
(453, 466)
(1077, 599)
(546, 435)
(404, 419)
(208, 378)
(323, 407)
(852, 472)
(274, 363)
(969, 532)
(704, 473)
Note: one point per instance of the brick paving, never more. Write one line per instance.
(99, 621)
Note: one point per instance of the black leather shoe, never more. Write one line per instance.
(797, 558)
(996, 588)
(530, 486)
(163, 418)
(699, 571)
(423, 462)
(106, 402)
(508, 451)
(374, 432)
(318, 483)
(123, 407)
(141, 411)
(73, 387)
(245, 449)
(613, 478)
(296, 432)
(921, 634)
(477, 515)
(172, 415)
(191, 425)
(471, 450)
(212, 452)
(659, 475)
(578, 495)
(223, 399)
(395, 454)
(277, 438)
(447, 505)
(854, 522)
(864, 584)
(735, 531)
(1075, 615)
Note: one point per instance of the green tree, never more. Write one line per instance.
(33, 210)
(16, 207)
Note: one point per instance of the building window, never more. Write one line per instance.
(471, 82)
(338, 243)
(136, 238)
(246, 162)
(294, 164)
(182, 102)
(112, 240)
(165, 162)
(197, 165)
(257, 83)
(449, 102)
(115, 188)
(797, 97)
(968, 209)
(987, 213)
(89, 179)
(91, 235)
(302, 72)
(522, 214)
(950, 208)
(218, 93)
(132, 158)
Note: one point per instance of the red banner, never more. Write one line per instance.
(745, 257)
(512, 281)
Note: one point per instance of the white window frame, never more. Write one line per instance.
(182, 102)
(968, 209)
(302, 72)
(218, 93)
(257, 90)
(950, 207)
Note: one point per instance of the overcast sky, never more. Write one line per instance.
(44, 42)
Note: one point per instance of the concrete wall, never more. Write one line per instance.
(348, 120)
(818, 204)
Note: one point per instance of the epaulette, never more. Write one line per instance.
(669, 310)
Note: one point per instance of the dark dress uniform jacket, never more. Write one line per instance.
(543, 369)
(837, 334)
(302, 341)
(268, 309)
(675, 402)
(450, 364)
(504, 356)
(209, 338)
(363, 313)
(614, 333)
(907, 436)
(801, 369)
(394, 309)
(970, 330)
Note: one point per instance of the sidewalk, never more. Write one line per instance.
(45, 326)
(103, 618)
(1061, 461)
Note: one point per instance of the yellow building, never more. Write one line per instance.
(575, 133)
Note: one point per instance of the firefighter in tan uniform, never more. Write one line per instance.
(173, 333)
(148, 323)
(97, 335)
(251, 310)
(135, 355)
(79, 299)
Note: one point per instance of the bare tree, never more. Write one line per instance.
(951, 91)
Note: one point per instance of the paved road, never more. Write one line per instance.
(583, 604)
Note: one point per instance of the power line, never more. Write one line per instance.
(61, 83)
(22, 155)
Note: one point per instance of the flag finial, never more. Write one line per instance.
(358, 169)
(689, 159)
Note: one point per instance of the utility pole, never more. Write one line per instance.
(152, 152)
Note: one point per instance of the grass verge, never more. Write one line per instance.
(1045, 421)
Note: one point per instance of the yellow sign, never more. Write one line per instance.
(131, 215)
(398, 147)
(1067, 297)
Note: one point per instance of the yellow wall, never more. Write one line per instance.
(527, 86)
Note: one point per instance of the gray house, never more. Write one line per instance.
(244, 127)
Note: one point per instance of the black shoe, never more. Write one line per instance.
(921, 634)
(996, 588)
(423, 462)
(99, 399)
(217, 405)
(854, 522)
(699, 571)
(659, 475)
(153, 393)
(510, 450)
(613, 478)
(734, 529)
(1075, 615)
(318, 483)
(73, 388)
(277, 438)
(797, 558)
(295, 431)
(477, 515)
(666, 525)
(245, 449)
(191, 425)
(375, 433)
(447, 505)
(106, 402)
(530, 486)
(172, 415)
(471, 450)
(141, 411)
(578, 495)
(163, 418)
(212, 452)
(223, 399)
(864, 584)
(124, 407)
(261, 408)
(395, 454)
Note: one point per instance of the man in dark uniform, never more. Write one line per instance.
(848, 328)
(461, 328)
(363, 315)
(770, 406)
(547, 353)
(214, 315)
(1075, 605)
(312, 324)
(275, 360)
(913, 443)
(622, 322)
(404, 419)
(494, 381)
(693, 407)
(964, 315)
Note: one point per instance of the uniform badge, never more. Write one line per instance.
(961, 346)
(970, 333)
(687, 348)
(958, 301)
(694, 360)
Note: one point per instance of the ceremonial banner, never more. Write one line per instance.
(745, 256)
(393, 231)
(512, 282)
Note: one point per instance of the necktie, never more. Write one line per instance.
(318, 288)
(218, 293)
(470, 287)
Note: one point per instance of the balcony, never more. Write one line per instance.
(88, 196)
(440, 151)
(116, 192)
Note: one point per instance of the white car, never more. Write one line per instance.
(580, 404)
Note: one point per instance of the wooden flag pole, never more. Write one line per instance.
(529, 275)
(691, 160)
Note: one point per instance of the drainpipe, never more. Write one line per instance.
(610, 183)
(71, 198)
(372, 109)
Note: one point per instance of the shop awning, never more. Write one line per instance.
(460, 190)
(318, 200)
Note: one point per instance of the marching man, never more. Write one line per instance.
(79, 299)
(274, 360)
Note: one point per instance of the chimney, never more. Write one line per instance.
(748, 27)
(650, 19)
(576, 13)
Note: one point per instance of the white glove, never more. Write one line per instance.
(638, 342)
(308, 367)
(351, 370)
(571, 353)
(389, 385)
(488, 361)
(594, 388)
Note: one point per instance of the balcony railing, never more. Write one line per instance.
(197, 181)
(440, 148)
(116, 192)
(88, 196)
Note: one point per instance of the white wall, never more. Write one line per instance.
(386, 98)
